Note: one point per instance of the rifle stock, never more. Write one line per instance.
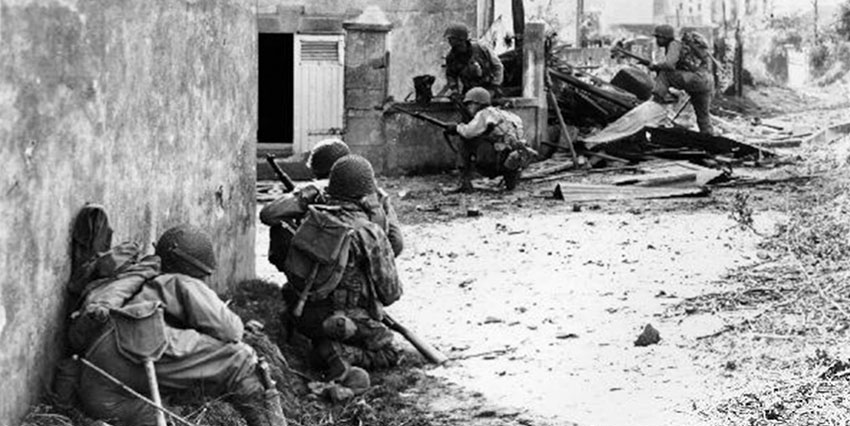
(429, 352)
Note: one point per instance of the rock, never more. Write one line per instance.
(563, 335)
(473, 212)
(649, 336)
(493, 320)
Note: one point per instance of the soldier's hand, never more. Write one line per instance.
(451, 128)
(653, 67)
(100, 313)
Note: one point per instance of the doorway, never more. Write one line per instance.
(276, 81)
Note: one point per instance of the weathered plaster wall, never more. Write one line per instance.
(416, 42)
(416, 146)
(147, 107)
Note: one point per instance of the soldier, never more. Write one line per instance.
(470, 64)
(285, 214)
(492, 142)
(687, 65)
(203, 349)
(343, 317)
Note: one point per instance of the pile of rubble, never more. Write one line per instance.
(598, 125)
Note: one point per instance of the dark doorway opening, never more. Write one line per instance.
(276, 68)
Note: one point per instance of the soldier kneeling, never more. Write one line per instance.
(493, 142)
(341, 271)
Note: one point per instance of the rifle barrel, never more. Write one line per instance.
(422, 116)
(639, 58)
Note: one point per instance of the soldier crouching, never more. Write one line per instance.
(492, 142)
(203, 346)
(342, 315)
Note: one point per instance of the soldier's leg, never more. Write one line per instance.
(354, 338)
(467, 150)
(218, 368)
(102, 399)
(702, 105)
(466, 153)
(661, 89)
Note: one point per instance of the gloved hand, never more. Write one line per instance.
(654, 66)
(451, 128)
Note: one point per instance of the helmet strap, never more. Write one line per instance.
(191, 260)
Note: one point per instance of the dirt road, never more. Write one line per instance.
(539, 302)
(565, 295)
(556, 298)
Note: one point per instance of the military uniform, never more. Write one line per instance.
(687, 68)
(203, 347)
(493, 143)
(472, 64)
(345, 326)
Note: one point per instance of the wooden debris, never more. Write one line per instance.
(574, 192)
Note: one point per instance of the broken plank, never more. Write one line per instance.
(583, 192)
(551, 170)
(718, 145)
(658, 179)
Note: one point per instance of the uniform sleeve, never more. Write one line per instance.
(201, 309)
(393, 226)
(478, 125)
(451, 75)
(289, 206)
(671, 56)
(498, 70)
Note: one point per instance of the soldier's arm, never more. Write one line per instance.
(289, 206)
(477, 126)
(205, 312)
(394, 228)
(496, 65)
(671, 58)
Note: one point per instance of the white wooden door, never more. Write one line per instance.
(318, 90)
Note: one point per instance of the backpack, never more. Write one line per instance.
(319, 251)
(122, 279)
(697, 54)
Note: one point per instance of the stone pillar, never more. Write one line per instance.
(534, 76)
(366, 85)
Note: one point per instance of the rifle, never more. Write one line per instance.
(624, 52)
(288, 186)
(429, 352)
(422, 116)
(445, 126)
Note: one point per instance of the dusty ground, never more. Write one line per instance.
(539, 302)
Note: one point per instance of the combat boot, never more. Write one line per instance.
(261, 409)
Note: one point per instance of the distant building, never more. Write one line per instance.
(683, 13)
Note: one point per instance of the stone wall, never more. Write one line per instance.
(416, 146)
(416, 42)
(145, 107)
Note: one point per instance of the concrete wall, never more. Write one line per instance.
(147, 107)
(416, 42)
(416, 146)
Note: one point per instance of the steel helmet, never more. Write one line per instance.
(324, 155)
(458, 31)
(665, 31)
(188, 250)
(478, 95)
(351, 178)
